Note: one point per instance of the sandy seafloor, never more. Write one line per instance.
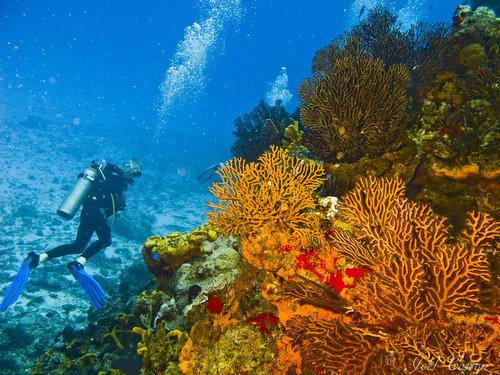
(38, 164)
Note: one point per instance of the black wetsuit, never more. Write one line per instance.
(104, 200)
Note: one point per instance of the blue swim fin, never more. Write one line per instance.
(92, 289)
(17, 286)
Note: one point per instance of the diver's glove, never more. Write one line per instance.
(92, 289)
(19, 282)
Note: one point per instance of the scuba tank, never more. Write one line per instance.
(81, 189)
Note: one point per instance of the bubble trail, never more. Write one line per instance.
(278, 90)
(185, 77)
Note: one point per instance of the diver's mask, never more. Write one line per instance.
(132, 169)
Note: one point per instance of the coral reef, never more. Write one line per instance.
(341, 177)
(231, 338)
(380, 35)
(160, 350)
(344, 265)
(256, 131)
(237, 350)
(407, 248)
(423, 49)
(458, 121)
(213, 274)
(415, 295)
(353, 139)
(389, 271)
(493, 4)
(445, 141)
(153, 323)
(293, 140)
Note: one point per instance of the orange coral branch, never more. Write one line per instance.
(482, 230)
(371, 201)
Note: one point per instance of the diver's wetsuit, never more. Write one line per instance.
(105, 199)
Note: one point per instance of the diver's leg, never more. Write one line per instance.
(83, 236)
(103, 231)
(92, 289)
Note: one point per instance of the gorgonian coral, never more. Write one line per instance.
(335, 347)
(272, 195)
(381, 36)
(418, 273)
(355, 109)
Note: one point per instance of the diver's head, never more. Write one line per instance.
(132, 169)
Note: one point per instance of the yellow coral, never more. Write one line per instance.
(159, 351)
(458, 173)
(273, 194)
(179, 335)
(165, 253)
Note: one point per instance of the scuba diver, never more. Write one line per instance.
(100, 191)
(209, 173)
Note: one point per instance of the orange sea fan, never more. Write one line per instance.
(274, 194)
(334, 347)
(443, 348)
(419, 272)
(372, 201)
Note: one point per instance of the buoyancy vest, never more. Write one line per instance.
(108, 191)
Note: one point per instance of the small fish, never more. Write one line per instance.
(155, 256)
(362, 11)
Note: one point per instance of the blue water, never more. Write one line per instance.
(102, 63)
(161, 81)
